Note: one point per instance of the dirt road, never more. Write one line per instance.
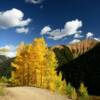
(30, 93)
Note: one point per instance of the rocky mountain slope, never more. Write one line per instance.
(63, 54)
(80, 48)
(3, 58)
(5, 66)
(86, 69)
(66, 53)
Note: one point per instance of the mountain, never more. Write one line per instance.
(5, 66)
(66, 53)
(80, 48)
(3, 58)
(63, 54)
(86, 69)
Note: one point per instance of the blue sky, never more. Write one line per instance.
(58, 21)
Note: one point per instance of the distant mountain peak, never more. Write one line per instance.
(66, 53)
(3, 58)
(81, 47)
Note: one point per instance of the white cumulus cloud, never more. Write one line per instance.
(45, 30)
(22, 30)
(35, 1)
(13, 18)
(89, 35)
(78, 35)
(10, 50)
(97, 39)
(70, 28)
(74, 41)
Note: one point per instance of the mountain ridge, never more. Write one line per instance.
(86, 69)
(66, 53)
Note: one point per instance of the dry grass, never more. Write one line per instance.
(94, 98)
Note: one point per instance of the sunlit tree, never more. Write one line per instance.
(35, 65)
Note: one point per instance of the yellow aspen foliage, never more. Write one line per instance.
(35, 65)
(40, 50)
(62, 86)
(29, 63)
(19, 74)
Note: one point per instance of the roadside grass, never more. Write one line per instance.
(2, 89)
(3, 84)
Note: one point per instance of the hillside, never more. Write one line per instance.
(5, 66)
(82, 47)
(63, 54)
(66, 53)
(85, 68)
(3, 58)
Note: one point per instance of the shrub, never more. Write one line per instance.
(2, 89)
(83, 93)
(3, 82)
(71, 92)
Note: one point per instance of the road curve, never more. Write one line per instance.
(31, 93)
